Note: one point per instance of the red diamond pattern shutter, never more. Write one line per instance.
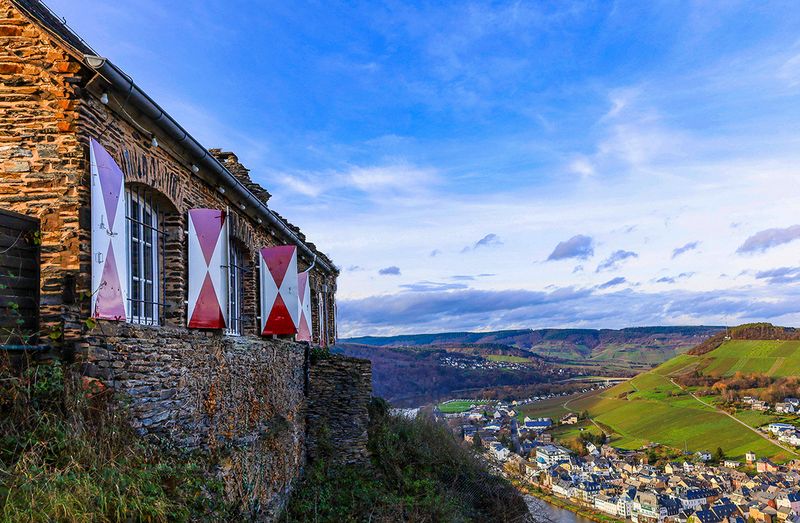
(304, 307)
(109, 244)
(279, 300)
(208, 266)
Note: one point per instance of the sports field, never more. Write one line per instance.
(507, 359)
(452, 407)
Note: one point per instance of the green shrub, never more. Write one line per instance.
(418, 472)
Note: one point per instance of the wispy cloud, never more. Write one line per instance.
(613, 282)
(674, 279)
(769, 238)
(780, 276)
(390, 271)
(685, 248)
(393, 181)
(490, 240)
(432, 286)
(579, 246)
(582, 166)
(615, 259)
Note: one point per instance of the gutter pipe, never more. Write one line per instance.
(139, 99)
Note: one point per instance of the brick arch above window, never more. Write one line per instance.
(141, 166)
(240, 229)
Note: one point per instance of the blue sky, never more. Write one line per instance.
(484, 165)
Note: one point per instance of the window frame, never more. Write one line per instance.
(145, 224)
(236, 271)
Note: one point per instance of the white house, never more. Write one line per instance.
(606, 504)
(499, 451)
(624, 505)
(549, 455)
(562, 488)
(790, 501)
(777, 428)
(703, 455)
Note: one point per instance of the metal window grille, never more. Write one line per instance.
(147, 245)
(236, 271)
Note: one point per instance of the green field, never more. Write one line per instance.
(452, 407)
(507, 359)
(651, 409)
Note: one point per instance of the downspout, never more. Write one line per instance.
(139, 99)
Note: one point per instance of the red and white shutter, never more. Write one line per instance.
(279, 300)
(208, 266)
(304, 307)
(109, 244)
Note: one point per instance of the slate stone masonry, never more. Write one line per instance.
(340, 392)
(240, 399)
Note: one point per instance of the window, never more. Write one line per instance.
(235, 289)
(146, 243)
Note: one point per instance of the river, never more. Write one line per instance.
(544, 512)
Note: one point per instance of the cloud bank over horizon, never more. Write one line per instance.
(471, 309)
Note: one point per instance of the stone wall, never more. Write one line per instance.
(238, 399)
(338, 415)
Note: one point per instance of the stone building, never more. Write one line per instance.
(151, 264)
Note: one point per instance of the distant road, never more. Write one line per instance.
(737, 420)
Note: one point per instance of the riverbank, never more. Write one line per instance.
(584, 512)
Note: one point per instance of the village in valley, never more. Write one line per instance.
(652, 484)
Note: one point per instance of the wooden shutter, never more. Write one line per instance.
(208, 269)
(279, 300)
(304, 307)
(109, 241)
(19, 279)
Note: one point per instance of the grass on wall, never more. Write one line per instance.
(67, 454)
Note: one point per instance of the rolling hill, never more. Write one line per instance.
(635, 347)
(652, 407)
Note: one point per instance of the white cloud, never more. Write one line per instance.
(790, 71)
(582, 166)
(398, 181)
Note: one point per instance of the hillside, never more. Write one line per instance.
(418, 471)
(425, 374)
(635, 347)
(654, 407)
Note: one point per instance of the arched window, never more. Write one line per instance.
(146, 246)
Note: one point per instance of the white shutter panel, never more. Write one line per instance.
(109, 242)
(304, 307)
(279, 301)
(208, 269)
